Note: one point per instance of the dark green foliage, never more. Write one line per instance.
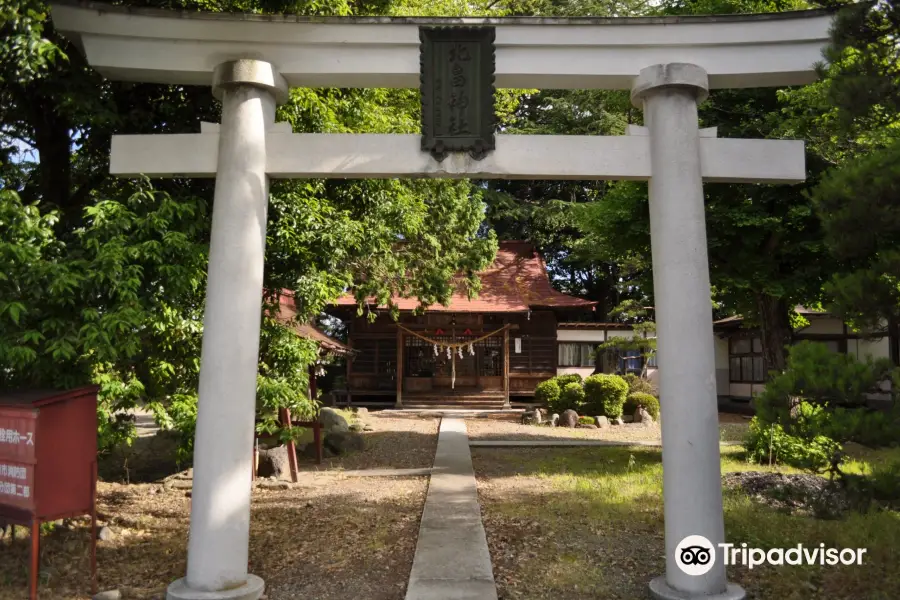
(587, 420)
(807, 413)
(863, 229)
(605, 395)
(571, 398)
(823, 378)
(648, 401)
(547, 393)
(859, 108)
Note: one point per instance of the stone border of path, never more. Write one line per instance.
(567, 443)
(452, 561)
(382, 472)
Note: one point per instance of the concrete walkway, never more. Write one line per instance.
(452, 561)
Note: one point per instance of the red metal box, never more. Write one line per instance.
(48, 452)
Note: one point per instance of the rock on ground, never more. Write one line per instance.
(532, 417)
(105, 534)
(344, 442)
(643, 417)
(554, 420)
(601, 422)
(108, 595)
(274, 463)
(569, 418)
(333, 421)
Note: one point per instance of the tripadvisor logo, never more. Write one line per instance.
(696, 555)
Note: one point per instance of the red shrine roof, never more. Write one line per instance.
(288, 311)
(517, 281)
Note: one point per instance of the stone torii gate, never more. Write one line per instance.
(669, 64)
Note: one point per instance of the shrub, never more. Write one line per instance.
(804, 452)
(587, 420)
(817, 404)
(638, 385)
(605, 395)
(547, 392)
(564, 380)
(572, 397)
(648, 401)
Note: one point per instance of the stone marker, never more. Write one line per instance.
(274, 463)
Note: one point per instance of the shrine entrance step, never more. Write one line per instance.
(442, 400)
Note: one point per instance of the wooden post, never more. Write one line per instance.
(506, 367)
(94, 528)
(291, 447)
(349, 364)
(35, 558)
(317, 439)
(399, 369)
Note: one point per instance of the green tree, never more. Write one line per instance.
(857, 200)
(104, 279)
(766, 245)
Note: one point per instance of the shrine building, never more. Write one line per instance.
(483, 352)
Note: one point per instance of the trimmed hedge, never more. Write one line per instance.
(564, 380)
(587, 420)
(547, 392)
(572, 397)
(648, 401)
(605, 395)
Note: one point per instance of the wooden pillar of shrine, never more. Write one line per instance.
(399, 369)
(506, 367)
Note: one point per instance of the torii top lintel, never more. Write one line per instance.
(162, 46)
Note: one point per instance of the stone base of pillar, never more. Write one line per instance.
(660, 590)
(252, 590)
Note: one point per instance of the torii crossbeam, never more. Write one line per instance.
(669, 64)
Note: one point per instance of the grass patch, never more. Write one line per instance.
(604, 506)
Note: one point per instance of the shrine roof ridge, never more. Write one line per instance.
(444, 21)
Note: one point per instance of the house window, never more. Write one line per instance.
(746, 363)
(631, 361)
(576, 354)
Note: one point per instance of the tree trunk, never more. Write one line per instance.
(894, 340)
(775, 330)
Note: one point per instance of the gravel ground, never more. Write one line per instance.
(329, 537)
(492, 429)
(394, 443)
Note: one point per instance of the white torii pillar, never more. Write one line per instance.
(220, 502)
(692, 479)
